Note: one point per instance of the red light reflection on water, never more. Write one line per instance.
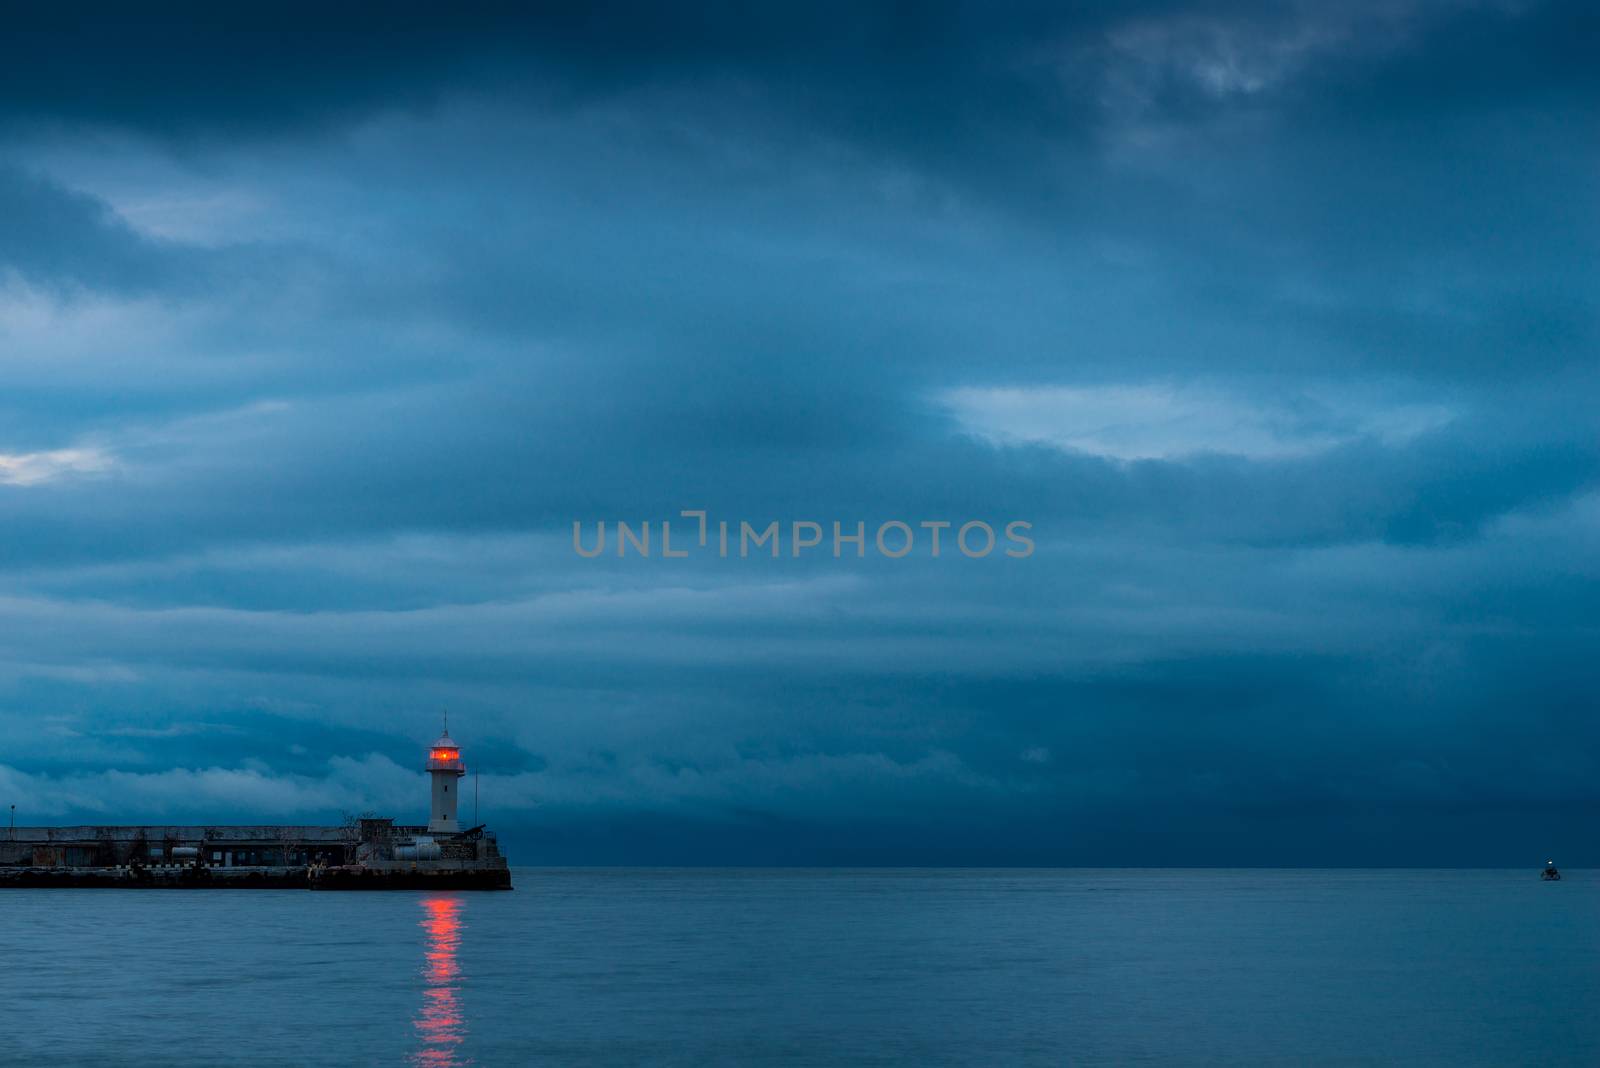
(440, 1024)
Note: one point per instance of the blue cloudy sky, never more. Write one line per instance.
(1277, 321)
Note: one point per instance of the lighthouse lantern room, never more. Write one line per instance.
(445, 769)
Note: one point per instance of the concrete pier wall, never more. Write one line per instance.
(219, 845)
(215, 845)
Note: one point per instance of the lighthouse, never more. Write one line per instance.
(445, 769)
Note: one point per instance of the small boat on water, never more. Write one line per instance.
(1550, 873)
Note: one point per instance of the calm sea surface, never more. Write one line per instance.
(816, 966)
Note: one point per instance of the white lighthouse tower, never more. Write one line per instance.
(445, 769)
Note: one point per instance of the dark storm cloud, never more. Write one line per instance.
(57, 237)
(188, 67)
(1276, 320)
(931, 73)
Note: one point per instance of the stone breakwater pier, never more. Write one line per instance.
(370, 853)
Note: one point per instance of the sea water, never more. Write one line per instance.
(664, 966)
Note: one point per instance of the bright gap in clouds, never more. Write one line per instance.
(33, 468)
(1163, 421)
